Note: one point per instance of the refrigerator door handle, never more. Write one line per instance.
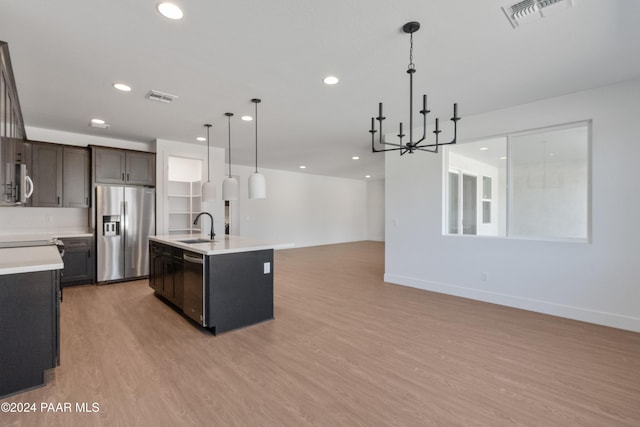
(27, 180)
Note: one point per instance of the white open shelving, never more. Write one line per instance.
(184, 204)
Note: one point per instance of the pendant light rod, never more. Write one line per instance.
(208, 126)
(411, 145)
(229, 115)
(256, 101)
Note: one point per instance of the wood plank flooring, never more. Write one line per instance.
(345, 349)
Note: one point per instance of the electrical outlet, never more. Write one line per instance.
(267, 268)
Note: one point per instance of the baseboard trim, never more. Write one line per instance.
(571, 312)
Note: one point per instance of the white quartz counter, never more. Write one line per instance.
(42, 237)
(220, 245)
(29, 259)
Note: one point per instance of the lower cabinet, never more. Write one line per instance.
(231, 290)
(165, 272)
(78, 261)
(29, 329)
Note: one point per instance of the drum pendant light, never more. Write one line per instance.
(230, 184)
(208, 188)
(257, 182)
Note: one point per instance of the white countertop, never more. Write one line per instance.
(43, 236)
(220, 245)
(29, 259)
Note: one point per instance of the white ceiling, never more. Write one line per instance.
(66, 55)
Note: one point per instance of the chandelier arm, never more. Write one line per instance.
(393, 145)
(388, 149)
(373, 131)
(424, 148)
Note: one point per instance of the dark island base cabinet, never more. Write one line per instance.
(238, 287)
(29, 329)
(165, 272)
(239, 292)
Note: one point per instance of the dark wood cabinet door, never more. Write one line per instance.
(156, 268)
(75, 177)
(110, 165)
(29, 332)
(78, 261)
(140, 168)
(47, 175)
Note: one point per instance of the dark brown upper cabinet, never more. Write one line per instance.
(60, 176)
(47, 175)
(114, 166)
(75, 177)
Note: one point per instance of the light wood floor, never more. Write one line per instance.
(345, 349)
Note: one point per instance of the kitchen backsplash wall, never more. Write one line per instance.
(18, 220)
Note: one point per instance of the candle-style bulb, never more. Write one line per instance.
(424, 102)
(373, 127)
(455, 110)
(380, 111)
(437, 125)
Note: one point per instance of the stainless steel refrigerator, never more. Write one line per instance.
(125, 218)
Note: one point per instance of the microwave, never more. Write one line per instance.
(19, 187)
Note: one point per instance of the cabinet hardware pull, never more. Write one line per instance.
(58, 200)
(127, 176)
(123, 176)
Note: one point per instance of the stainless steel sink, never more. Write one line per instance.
(193, 241)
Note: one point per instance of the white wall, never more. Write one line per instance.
(303, 209)
(375, 210)
(558, 188)
(595, 282)
(21, 220)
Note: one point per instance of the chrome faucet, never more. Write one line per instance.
(195, 221)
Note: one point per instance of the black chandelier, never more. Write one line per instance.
(411, 145)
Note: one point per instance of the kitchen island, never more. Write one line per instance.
(221, 285)
(29, 316)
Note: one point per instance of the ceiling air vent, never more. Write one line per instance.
(530, 10)
(156, 95)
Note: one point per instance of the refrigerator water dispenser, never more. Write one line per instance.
(111, 225)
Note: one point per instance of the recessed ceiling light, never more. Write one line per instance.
(303, 167)
(331, 80)
(355, 158)
(123, 87)
(98, 123)
(367, 176)
(170, 10)
(503, 158)
(201, 138)
(247, 118)
(484, 148)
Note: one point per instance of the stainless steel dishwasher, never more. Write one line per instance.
(193, 287)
